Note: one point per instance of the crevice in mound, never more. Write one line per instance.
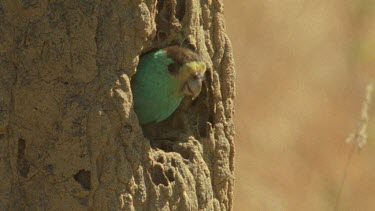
(160, 160)
(169, 21)
(190, 45)
(30, 3)
(174, 162)
(163, 20)
(160, 5)
(171, 146)
(180, 10)
(158, 176)
(185, 153)
(210, 96)
(162, 145)
(83, 177)
(170, 175)
(161, 36)
(22, 164)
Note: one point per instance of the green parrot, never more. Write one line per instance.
(163, 78)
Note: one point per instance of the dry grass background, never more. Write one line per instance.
(302, 69)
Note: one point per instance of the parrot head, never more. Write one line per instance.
(188, 68)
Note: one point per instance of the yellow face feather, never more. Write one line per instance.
(191, 75)
(191, 68)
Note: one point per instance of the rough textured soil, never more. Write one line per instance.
(69, 138)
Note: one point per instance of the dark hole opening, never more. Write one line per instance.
(160, 159)
(173, 162)
(22, 163)
(158, 176)
(83, 177)
(180, 10)
(185, 154)
(170, 175)
(160, 5)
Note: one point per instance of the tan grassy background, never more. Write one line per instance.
(302, 68)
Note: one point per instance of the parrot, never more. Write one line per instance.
(162, 79)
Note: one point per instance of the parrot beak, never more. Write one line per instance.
(193, 87)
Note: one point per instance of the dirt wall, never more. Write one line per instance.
(69, 138)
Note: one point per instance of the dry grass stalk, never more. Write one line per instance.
(358, 138)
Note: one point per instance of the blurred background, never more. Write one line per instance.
(302, 70)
